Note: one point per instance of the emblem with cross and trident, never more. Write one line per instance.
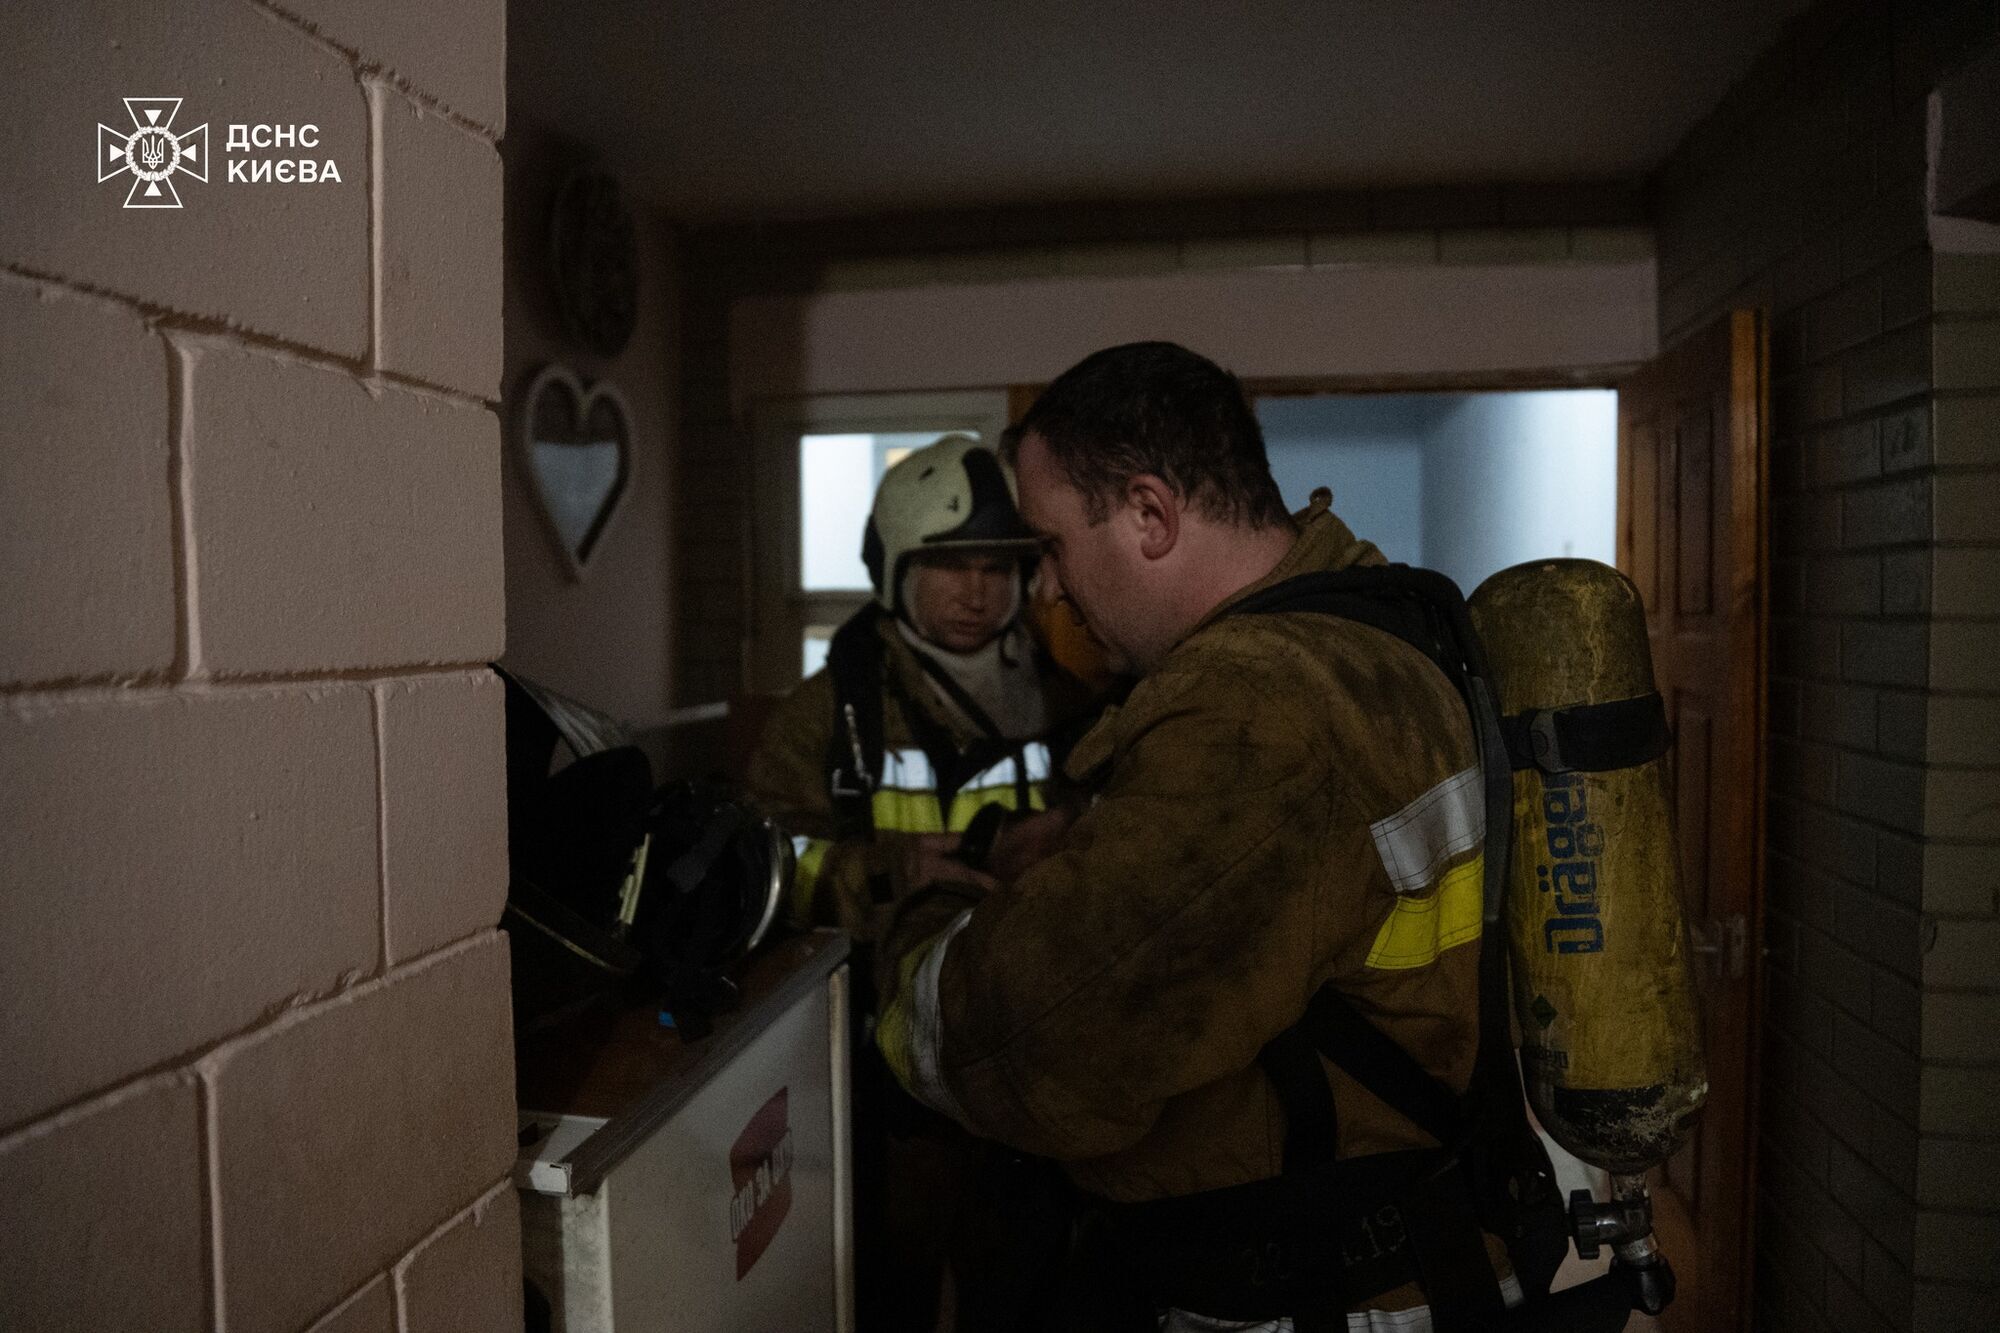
(152, 152)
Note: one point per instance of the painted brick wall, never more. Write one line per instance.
(252, 845)
(1804, 193)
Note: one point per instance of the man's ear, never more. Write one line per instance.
(1153, 506)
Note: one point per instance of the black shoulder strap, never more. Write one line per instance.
(1312, 1124)
(858, 663)
(1419, 606)
(854, 751)
(1382, 1066)
(1426, 610)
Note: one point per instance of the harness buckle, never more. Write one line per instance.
(855, 781)
(1544, 743)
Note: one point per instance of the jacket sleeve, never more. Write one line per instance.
(788, 779)
(1172, 935)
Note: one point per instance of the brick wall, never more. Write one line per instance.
(258, 1072)
(1804, 193)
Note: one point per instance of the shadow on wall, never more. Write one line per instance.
(606, 637)
(1466, 483)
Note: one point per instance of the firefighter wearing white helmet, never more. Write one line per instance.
(935, 704)
(953, 495)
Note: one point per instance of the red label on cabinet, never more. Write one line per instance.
(760, 1166)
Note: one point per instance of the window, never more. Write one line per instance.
(1465, 483)
(818, 640)
(838, 475)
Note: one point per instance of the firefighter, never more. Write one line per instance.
(1287, 823)
(936, 704)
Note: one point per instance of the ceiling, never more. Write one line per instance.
(752, 109)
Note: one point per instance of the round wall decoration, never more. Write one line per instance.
(596, 259)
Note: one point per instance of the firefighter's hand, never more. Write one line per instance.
(919, 860)
(1022, 842)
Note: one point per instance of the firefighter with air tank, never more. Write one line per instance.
(1252, 992)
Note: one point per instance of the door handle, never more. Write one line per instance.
(1725, 941)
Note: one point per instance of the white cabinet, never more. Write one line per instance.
(674, 1186)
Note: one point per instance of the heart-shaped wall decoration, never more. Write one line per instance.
(576, 446)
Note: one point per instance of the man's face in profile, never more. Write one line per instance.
(1082, 559)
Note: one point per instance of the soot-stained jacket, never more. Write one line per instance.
(1288, 800)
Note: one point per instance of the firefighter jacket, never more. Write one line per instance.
(1288, 800)
(789, 776)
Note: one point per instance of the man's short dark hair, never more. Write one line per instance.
(1156, 408)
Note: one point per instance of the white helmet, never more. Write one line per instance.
(953, 495)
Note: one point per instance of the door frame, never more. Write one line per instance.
(1607, 376)
(1746, 333)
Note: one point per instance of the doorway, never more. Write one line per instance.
(1464, 483)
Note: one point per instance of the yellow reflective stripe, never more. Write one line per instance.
(906, 812)
(811, 853)
(1421, 928)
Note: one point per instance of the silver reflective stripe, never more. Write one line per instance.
(1034, 763)
(908, 770)
(1445, 822)
(1036, 756)
(999, 775)
(926, 1029)
(799, 845)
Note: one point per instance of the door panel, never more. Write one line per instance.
(1696, 547)
(1638, 493)
(1691, 536)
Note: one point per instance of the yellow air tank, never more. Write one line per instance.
(1603, 989)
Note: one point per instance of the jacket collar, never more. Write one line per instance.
(1323, 543)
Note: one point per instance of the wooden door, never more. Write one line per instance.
(1691, 534)
(1021, 397)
